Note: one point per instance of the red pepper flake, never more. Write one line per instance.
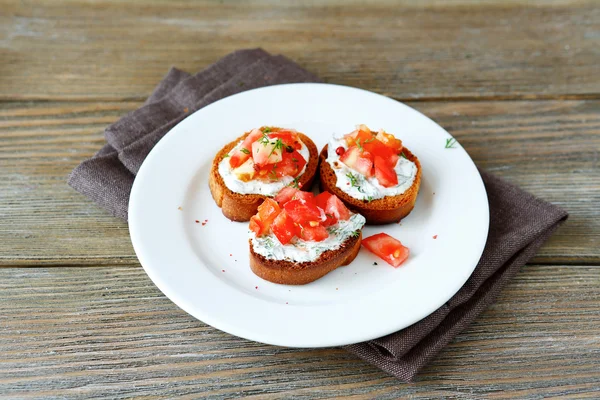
(256, 287)
(286, 302)
(348, 183)
(222, 270)
(186, 110)
(230, 255)
(435, 236)
(197, 221)
(204, 223)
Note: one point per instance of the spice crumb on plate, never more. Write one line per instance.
(435, 236)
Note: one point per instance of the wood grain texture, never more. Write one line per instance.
(429, 50)
(93, 332)
(549, 148)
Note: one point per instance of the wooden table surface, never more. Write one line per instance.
(517, 84)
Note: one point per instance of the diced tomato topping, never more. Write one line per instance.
(314, 233)
(321, 200)
(267, 211)
(290, 165)
(360, 137)
(266, 153)
(283, 228)
(376, 148)
(240, 156)
(307, 197)
(385, 174)
(303, 213)
(336, 208)
(285, 195)
(358, 161)
(387, 248)
(390, 141)
(255, 225)
(289, 138)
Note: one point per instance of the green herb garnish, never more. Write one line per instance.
(245, 150)
(370, 140)
(266, 129)
(370, 199)
(226, 155)
(355, 233)
(354, 181)
(450, 142)
(403, 156)
(294, 183)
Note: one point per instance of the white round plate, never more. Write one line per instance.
(199, 258)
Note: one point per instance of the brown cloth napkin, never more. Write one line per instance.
(519, 222)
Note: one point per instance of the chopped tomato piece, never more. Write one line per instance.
(243, 153)
(255, 225)
(285, 195)
(358, 138)
(387, 248)
(266, 153)
(336, 208)
(289, 138)
(376, 148)
(321, 199)
(307, 197)
(358, 161)
(267, 211)
(302, 212)
(283, 228)
(390, 141)
(385, 174)
(290, 165)
(314, 233)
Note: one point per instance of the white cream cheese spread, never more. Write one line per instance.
(306, 251)
(362, 188)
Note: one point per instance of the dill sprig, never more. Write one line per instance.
(450, 142)
(354, 181)
(294, 183)
(245, 150)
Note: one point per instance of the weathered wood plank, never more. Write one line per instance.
(416, 49)
(117, 336)
(549, 148)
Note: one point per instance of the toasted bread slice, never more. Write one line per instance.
(379, 211)
(301, 273)
(240, 207)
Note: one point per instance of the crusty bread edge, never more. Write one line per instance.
(376, 212)
(241, 207)
(291, 273)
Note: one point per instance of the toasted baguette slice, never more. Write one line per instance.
(380, 211)
(293, 273)
(240, 207)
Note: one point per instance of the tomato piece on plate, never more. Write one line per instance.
(358, 161)
(243, 153)
(283, 228)
(336, 208)
(286, 194)
(303, 213)
(255, 225)
(289, 138)
(385, 174)
(314, 233)
(307, 197)
(390, 141)
(267, 211)
(387, 248)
